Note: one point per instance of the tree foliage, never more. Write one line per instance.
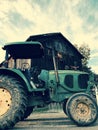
(85, 51)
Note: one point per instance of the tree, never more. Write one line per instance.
(85, 51)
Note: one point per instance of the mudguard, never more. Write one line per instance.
(16, 73)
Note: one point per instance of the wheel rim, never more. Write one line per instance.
(5, 101)
(82, 109)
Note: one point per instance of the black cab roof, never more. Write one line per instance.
(24, 49)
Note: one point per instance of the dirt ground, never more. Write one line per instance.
(50, 121)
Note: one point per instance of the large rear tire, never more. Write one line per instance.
(13, 102)
(82, 109)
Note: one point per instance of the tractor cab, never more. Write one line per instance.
(19, 56)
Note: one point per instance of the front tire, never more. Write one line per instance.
(82, 109)
(13, 102)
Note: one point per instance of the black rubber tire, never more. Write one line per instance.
(82, 109)
(64, 106)
(28, 111)
(18, 102)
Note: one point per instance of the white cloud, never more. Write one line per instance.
(44, 22)
(94, 55)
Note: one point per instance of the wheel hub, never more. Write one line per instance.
(5, 101)
(82, 109)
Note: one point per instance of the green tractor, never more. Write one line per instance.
(23, 86)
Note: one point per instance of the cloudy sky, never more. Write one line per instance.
(77, 20)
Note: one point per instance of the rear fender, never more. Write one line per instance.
(15, 73)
